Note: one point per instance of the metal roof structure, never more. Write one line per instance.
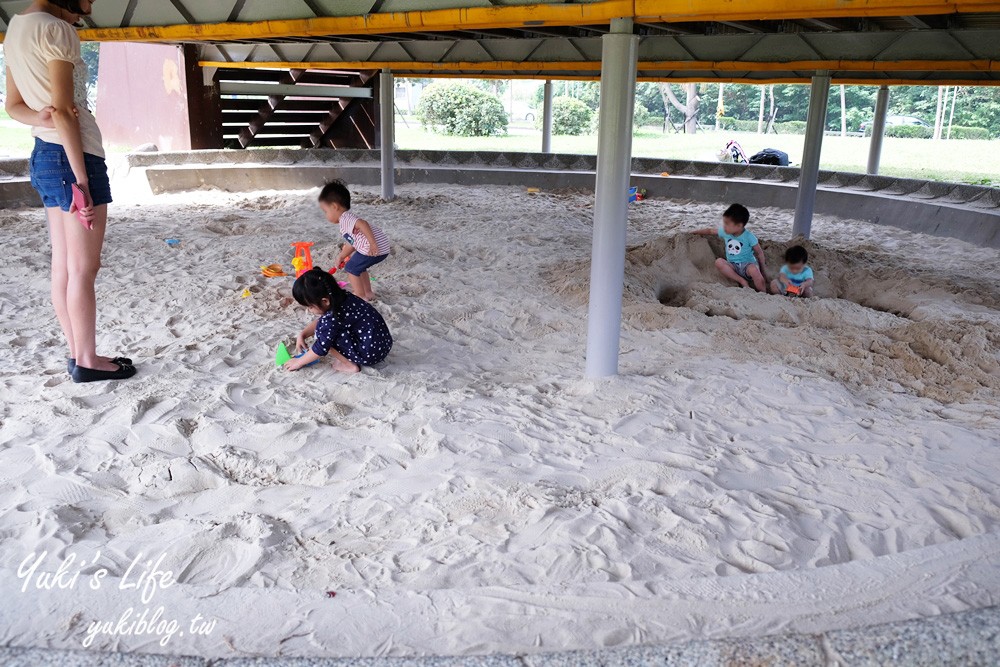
(915, 42)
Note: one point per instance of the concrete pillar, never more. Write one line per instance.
(619, 51)
(805, 202)
(547, 117)
(878, 129)
(387, 126)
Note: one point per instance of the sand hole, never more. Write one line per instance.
(675, 296)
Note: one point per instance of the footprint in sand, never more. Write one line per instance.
(243, 396)
(152, 410)
(751, 481)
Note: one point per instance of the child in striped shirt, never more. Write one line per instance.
(366, 244)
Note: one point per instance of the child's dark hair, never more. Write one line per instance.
(796, 254)
(315, 285)
(738, 213)
(69, 5)
(335, 192)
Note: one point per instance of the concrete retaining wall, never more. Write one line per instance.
(967, 212)
(15, 186)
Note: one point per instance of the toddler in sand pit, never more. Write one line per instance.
(744, 260)
(795, 277)
(349, 329)
(365, 244)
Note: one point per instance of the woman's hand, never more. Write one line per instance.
(45, 117)
(85, 213)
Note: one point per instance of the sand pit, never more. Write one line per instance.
(761, 464)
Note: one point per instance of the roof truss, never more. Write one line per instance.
(763, 40)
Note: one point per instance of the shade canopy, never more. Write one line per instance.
(915, 42)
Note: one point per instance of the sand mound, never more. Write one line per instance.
(876, 321)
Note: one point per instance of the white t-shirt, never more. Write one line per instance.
(360, 242)
(31, 43)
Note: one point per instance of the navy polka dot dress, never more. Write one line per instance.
(356, 330)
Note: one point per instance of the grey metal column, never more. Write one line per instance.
(878, 129)
(387, 126)
(805, 203)
(619, 51)
(547, 117)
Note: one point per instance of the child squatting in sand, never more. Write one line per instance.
(744, 260)
(349, 329)
(365, 244)
(795, 277)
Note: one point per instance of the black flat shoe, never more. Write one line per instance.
(81, 374)
(71, 363)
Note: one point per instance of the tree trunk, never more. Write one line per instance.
(939, 113)
(843, 111)
(760, 118)
(951, 117)
(720, 110)
(691, 119)
(689, 109)
(774, 110)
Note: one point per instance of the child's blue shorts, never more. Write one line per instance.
(741, 268)
(52, 176)
(359, 263)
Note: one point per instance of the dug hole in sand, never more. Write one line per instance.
(761, 465)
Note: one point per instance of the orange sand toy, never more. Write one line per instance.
(793, 289)
(302, 254)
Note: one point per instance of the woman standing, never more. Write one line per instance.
(46, 88)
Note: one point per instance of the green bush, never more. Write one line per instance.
(961, 132)
(737, 125)
(854, 119)
(570, 116)
(791, 127)
(909, 131)
(641, 118)
(461, 110)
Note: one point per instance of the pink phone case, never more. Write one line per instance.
(80, 201)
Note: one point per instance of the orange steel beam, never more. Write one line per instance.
(764, 10)
(399, 66)
(848, 81)
(521, 16)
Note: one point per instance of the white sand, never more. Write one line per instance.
(761, 464)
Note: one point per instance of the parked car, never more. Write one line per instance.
(894, 120)
(521, 111)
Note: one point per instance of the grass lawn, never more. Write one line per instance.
(964, 161)
(15, 139)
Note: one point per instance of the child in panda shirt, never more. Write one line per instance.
(744, 260)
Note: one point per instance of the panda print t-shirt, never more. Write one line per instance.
(739, 249)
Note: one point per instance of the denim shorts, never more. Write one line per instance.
(359, 263)
(52, 176)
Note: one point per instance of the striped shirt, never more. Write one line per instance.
(360, 242)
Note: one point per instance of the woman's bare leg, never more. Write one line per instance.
(83, 254)
(60, 275)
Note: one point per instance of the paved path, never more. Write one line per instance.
(968, 639)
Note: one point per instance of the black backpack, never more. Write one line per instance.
(770, 156)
